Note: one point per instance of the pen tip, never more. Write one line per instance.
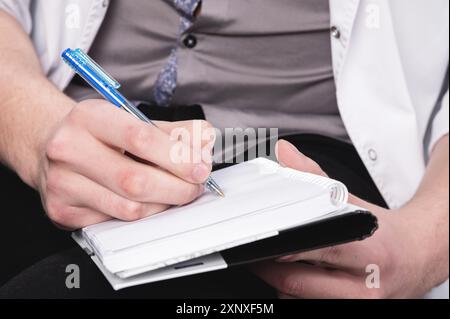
(213, 186)
(218, 191)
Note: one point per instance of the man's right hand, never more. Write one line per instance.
(85, 176)
(74, 153)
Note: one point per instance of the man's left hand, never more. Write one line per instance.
(341, 271)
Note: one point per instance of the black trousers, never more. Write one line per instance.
(35, 254)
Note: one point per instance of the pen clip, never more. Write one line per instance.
(102, 74)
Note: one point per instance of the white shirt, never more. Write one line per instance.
(390, 59)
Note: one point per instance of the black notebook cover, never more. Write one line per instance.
(355, 224)
(336, 230)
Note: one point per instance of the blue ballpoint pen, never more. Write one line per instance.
(108, 87)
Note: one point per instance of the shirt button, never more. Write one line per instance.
(190, 41)
(105, 3)
(335, 33)
(373, 154)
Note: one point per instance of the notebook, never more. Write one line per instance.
(267, 212)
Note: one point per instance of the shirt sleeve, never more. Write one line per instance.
(440, 124)
(20, 10)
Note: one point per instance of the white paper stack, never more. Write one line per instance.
(261, 200)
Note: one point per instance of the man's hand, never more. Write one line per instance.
(85, 177)
(74, 153)
(403, 249)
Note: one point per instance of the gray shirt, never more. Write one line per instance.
(249, 63)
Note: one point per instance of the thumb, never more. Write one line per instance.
(289, 156)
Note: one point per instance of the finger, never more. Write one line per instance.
(352, 257)
(355, 200)
(306, 281)
(120, 130)
(197, 133)
(70, 217)
(78, 191)
(201, 131)
(79, 217)
(289, 156)
(124, 176)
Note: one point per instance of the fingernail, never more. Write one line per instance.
(200, 172)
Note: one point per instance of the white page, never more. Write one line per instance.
(216, 238)
(254, 192)
(207, 263)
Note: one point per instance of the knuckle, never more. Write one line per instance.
(56, 212)
(132, 184)
(80, 111)
(137, 137)
(57, 148)
(131, 211)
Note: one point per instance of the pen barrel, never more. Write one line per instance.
(133, 110)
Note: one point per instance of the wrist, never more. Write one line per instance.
(28, 160)
(427, 226)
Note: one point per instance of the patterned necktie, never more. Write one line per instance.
(167, 79)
